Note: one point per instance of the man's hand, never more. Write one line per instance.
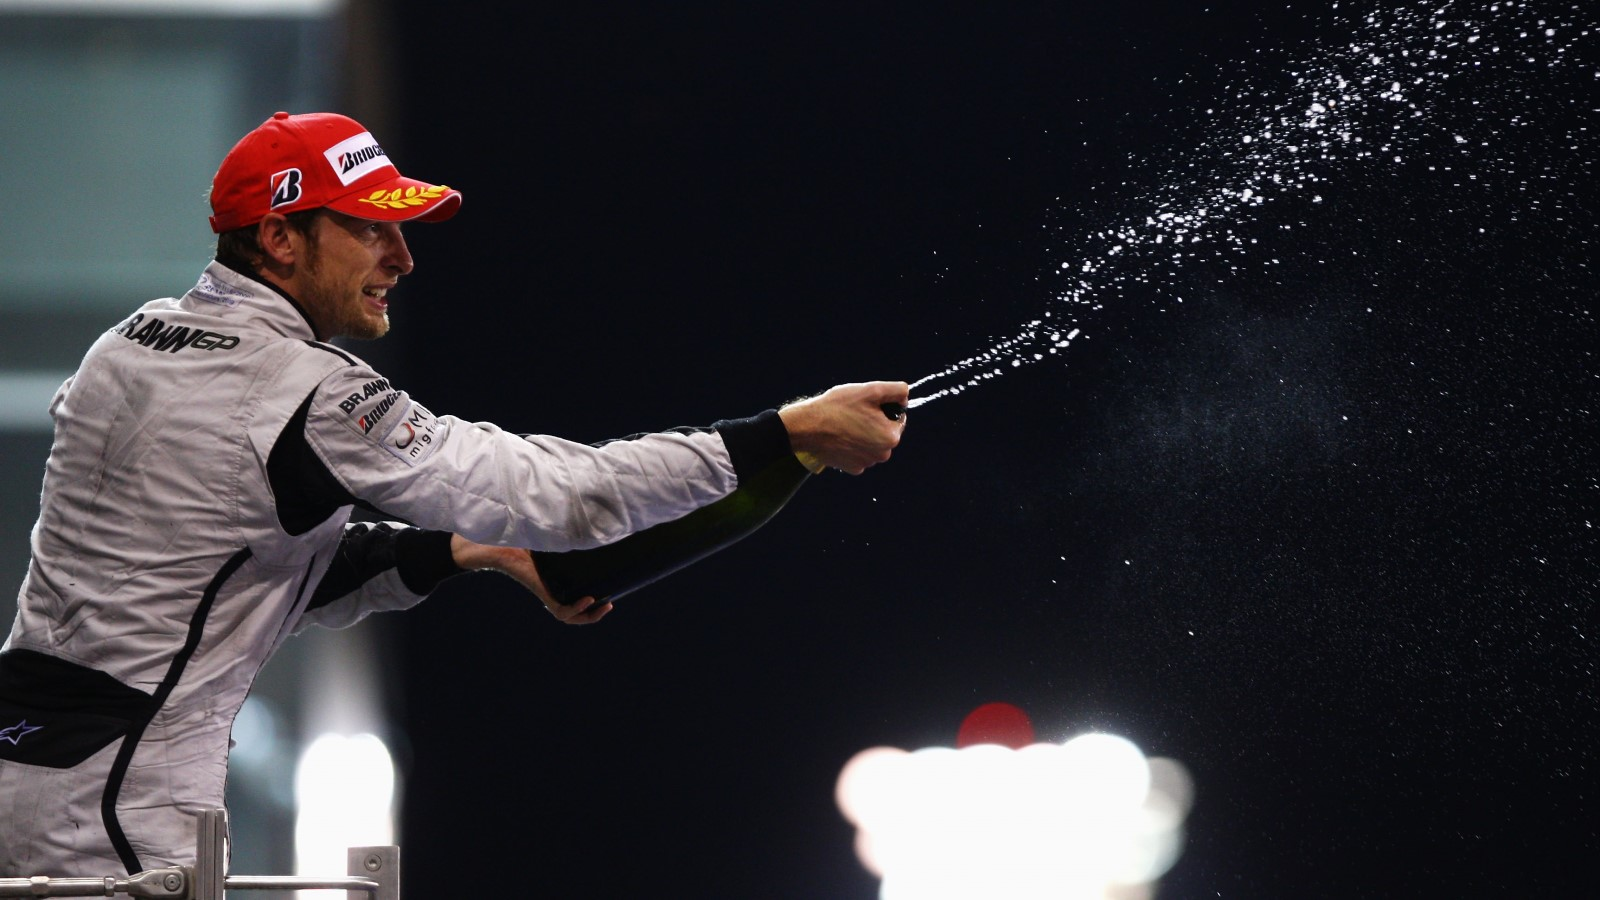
(518, 564)
(845, 427)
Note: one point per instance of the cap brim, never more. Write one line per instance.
(400, 199)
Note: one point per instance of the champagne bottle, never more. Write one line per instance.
(622, 567)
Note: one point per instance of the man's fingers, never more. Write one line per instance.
(566, 612)
(849, 427)
(594, 614)
(581, 612)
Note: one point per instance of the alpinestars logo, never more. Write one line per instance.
(18, 731)
(285, 187)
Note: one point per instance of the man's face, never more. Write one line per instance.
(347, 269)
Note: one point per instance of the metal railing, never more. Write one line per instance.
(374, 874)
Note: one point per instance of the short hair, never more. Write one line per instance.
(240, 249)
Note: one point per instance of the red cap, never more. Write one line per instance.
(291, 163)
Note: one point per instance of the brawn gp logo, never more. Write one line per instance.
(368, 391)
(158, 335)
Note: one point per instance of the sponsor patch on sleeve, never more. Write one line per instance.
(387, 416)
(414, 436)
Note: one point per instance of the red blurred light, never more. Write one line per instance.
(996, 723)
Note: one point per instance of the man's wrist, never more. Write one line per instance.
(799, 420)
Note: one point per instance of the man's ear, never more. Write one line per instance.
(277, 240)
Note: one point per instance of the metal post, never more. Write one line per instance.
(211, 859)
(381, 864)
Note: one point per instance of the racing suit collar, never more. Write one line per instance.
(233, 288)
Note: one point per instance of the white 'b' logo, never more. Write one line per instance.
(285, 187)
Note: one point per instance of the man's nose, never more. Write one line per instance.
(397, 256)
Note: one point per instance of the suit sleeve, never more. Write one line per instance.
(536, 491)
(379, 567)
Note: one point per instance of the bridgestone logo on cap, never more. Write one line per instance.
(356, 157)
(285, 187)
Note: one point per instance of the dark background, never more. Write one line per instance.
(1323, 533)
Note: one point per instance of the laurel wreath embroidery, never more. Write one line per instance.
(400, 199)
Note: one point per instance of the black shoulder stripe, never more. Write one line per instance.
(334, 350)
(303, 489)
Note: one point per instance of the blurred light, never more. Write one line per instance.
(344, 791)
(996, 723)
(255, 734)
(25, 399)
(1092, 818)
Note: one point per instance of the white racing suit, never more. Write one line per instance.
(196, 507)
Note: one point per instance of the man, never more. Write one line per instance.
(208, 454)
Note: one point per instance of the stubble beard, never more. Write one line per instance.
(345, 315)
(364, 327)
